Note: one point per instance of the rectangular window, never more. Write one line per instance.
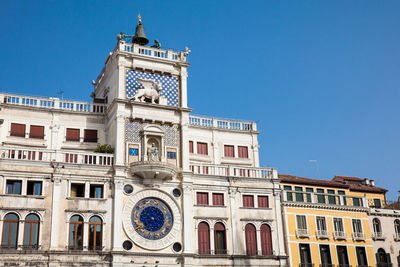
(356, 201)
(305, 255)
(72, 135)
(17, 130)
(202, 198)
(325, 255)
(331, 199)
(171, 155)
(96, 191)
(357, 228)
(202, 148)
(36, 132)
(299, 196)
(301, 222)
(263, 202)
(343, 259)
(248, 201)
(320, 197)
(377, 203)
(338, 224)
(289, 195)
(14, 187)
(90, 136)
(309, 190)
(191, 147)
(133, 151)
(362, 257)
(34, 188)
(229, 151)
(321, 223)
(243, 152)
(77, 190)
(342, 196)
(218, 199)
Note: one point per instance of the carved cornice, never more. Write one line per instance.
(324, 206)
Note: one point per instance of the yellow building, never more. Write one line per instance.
(326, 222)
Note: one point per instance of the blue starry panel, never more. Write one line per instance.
(170, 85)
(133, 128)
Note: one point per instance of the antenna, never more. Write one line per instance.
(317, 167)
(61, 93)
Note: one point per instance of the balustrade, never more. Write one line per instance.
(221, 123)
(229, 170)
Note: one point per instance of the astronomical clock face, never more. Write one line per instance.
(152, 218)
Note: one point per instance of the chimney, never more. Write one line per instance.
(372, 182)
(366, 181)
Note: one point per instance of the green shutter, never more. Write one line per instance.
(377, 258)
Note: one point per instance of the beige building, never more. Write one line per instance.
(171, 188)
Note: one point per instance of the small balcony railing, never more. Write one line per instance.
(340, 235)
(204, 251)
(327, 265)
(396, 237)
(306, 264)
(233, 171)
(378, 236)
(344, 265)
(358, 236)
(323, 234)
(302, 233)
(221, 251)
(384, 265)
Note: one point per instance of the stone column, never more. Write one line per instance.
(20, 237)
(117, 210)
(234, 222)
(56, 215)
(185, 141)
(120, 141)
(279, 227)
(85, 235)
(212, 239)
(188, 226)
(184, 76)
(258, 236)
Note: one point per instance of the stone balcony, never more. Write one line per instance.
(224, 124)
(153, 170)
(233, 171)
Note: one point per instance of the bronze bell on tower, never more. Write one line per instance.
(140, 36)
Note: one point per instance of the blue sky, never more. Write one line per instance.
(320, 77)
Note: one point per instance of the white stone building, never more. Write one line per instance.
(177, 189)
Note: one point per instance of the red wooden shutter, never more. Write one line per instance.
(90, 136)
(36, 132)
(229, 151)
(243, 152)
(190, 146)
(218, 199)
(204, 238)
(248, 201)
(266, 240)
(251, 239)
(17, 130)
(202, 148)
(202, 198)
(263, 202)
(72, 134)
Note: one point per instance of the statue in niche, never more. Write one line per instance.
(151, 90)
(152, 153)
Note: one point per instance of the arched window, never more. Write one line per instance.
(31, 232)
(10, 231)
(76, 232)
(382, 258)
(377, 226)
(95, 233)
(220, 238)
(251, 239)
(203, 233)
(397, 228)
(266, 240)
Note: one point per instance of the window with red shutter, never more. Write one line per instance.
(218, 199)
(72, 134)
(229, 151)
(263, 202)
(204, 238)
(191, 147)
(251, 239)
(243, 152)
(90, 136)
(202, 148)
(248, 201)
(17, 130)
(266, 240)
(36, 132)
(202, 198)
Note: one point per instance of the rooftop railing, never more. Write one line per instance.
(53, 103)
(234, 171)
(222, 123)
(151, 52)
(322, 198)
(56, 156)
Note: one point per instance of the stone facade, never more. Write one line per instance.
(148, 202)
